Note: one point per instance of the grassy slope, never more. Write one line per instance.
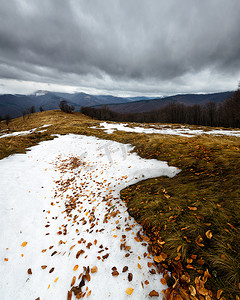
(192, 219)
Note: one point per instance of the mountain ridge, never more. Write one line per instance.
(16, 105)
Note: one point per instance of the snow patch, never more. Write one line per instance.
(62, 197)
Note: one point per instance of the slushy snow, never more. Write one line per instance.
(63, 222)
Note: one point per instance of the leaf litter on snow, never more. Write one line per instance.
(91, 247)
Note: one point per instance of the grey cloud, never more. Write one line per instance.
(130, 42)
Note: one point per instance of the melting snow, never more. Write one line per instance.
(183, 131)
(21, 133)
(62, 219)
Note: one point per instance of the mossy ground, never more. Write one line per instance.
(194, 217)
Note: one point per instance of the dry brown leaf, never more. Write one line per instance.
(115, 273)
(29, 271)
(73, 280)
(125, 269)
(44, 267)
(163, 281)
(130, 276)
(160, 258)
(69, 297)
(153, 293)
(129, 291)
(139, 266)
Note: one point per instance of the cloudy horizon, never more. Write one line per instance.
(130, 48)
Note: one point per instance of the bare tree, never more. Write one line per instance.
(7, 119)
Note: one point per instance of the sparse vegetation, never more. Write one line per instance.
(193, 218)
(226, 114)
(7, 119)
(66, 107)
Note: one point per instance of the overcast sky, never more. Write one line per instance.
(132, 47)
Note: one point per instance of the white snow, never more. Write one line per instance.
(21, 133)
(182, 131)
(60, 196)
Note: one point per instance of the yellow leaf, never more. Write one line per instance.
(192, 208)
(219, 293)
(192, 290)
(89, 293)
(56, 279)
(160, 258)
(75, 268)
(179, 248)
(209, 234)
(94, 269)
(129, 291)
(24, 244)
(139, 266)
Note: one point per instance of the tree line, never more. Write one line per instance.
(225, 114)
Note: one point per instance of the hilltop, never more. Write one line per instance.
(190, 221)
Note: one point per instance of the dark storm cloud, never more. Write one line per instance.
(114, 43)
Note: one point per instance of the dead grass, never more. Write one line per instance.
(179, 214)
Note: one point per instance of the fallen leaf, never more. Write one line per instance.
(130, 276)
(43, 267)
(192, 290)
(139, 266)
(89, 293)
(115, 273)
(125, 269)
(163, 281)
(160, 258)
(153, 293)
(73, 280)
(75, 268)
(24, 244)
(94, 269)
(129, 291)
(192, 208)
(69, 297)
(209, 234)
(219, 293)
(52, 269)
(29, 271)
(56, 279)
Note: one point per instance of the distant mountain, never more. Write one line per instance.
(154, 104)
(140, 98)
(14, 105)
